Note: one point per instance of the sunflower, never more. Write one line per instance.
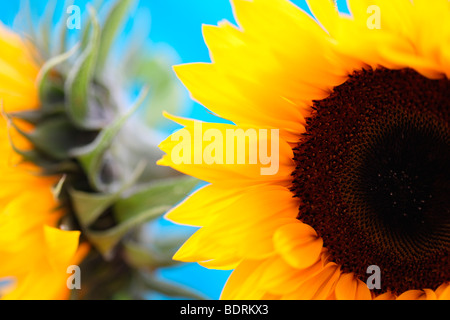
(33, 250)
(361, 105)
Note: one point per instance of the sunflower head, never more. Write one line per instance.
(361, 104)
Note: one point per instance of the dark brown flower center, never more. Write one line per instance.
(373, 177)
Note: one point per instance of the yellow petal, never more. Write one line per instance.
(426, 294)
(243, 282)
(319, 286)
(247, 170)
(244, 229)
(298, 244)
(18, 72)
(280, 278)
(61, 247)
(202, 206)
(443, 292)
(350, 288)
(223, 95)
(326, 12)
(386, 296)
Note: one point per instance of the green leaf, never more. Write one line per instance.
(91, 156)
(111, 29)
(80, 78)
(163, 193)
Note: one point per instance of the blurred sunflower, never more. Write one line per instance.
(77, 181)
(362, 108)
(33, 250)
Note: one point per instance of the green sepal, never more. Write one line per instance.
(32, 116)
(57, 189)
(91, 157)
(89, 206)
(27, 155)
(56, 137)
(140, 207)
(153, 254)
(163, 193)
(95, 6)
(111, 28)
(45, 140)
(43, 82)
(35, 117)
(48, 166)
(171, 243)
(106, 240)
(36, 155)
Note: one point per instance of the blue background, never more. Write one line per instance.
(178, 24)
